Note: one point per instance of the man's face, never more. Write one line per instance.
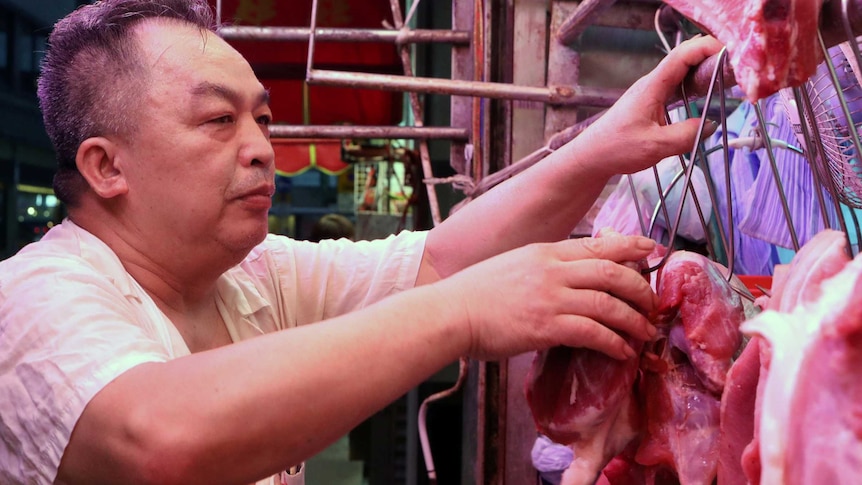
(200, 167)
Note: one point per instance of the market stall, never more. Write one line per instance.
(780, 174)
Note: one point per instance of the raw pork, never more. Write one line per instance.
(593, 404)
(692, 289)
(737, 414)
(772, 44)
(682, 421)
(821, 258)
(583, 399)
(808, 417)
(795, 283)
(683, 370)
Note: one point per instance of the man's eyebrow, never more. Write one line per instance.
(206, 89)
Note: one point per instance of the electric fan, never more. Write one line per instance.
(842, 164)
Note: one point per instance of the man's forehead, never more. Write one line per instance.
(207, 89)
(204, 63)
(168, 40)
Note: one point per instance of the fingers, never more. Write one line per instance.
(587, 333)
(605, 297)
(615, 248)
(610, 278)
(679, 137)
(600, 264)
(672, 69)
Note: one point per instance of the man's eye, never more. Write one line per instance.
(264, 120)
(222, 119)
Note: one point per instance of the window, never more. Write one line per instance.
(30, 48)
(5, 45)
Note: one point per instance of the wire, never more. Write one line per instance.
(463, 364)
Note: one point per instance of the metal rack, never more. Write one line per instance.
(469, 40)
(837, 175)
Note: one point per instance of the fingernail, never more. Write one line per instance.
(710, 127)
(645, 243)
(630, 352)
(651, 331)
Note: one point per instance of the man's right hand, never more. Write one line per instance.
(574, 292)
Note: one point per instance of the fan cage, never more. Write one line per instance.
(830, 128)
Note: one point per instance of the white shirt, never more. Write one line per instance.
(72, 319)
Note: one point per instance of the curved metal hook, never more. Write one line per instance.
(689, 169)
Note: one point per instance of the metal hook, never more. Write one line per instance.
(689, 169)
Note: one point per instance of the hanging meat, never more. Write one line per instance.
(772, 44)
(808, 419)
(665, 423)
(684, 369)
(736, 418)
(706, 315)
(583, 399)
(742, 403)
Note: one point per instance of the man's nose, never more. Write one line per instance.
(256, 147)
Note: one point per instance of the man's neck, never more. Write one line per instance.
(180, 281)
(188, 302)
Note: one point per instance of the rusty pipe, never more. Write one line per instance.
(356, 131)
(556, 95)
(581, 18)
(322, 34)
(417, 107)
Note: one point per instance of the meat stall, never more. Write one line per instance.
(762, 215)
(726, 392)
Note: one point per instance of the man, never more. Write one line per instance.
(115, 363)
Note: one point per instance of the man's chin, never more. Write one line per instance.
(242, 240)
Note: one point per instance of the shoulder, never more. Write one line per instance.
(66, 257)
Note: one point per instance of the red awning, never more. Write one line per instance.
(281, 68)
(281, 65)
(294, 156)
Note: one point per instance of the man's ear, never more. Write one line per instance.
(96, 160)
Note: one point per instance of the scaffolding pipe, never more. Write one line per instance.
(301, 34)
(583, 16)
(418, 110)
(556, 95)
(382, 132)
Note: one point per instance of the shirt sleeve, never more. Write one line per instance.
(65, 332)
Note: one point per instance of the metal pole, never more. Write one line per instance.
(353, 131)
(580, 19)
(311, 33)
(557, 95)
(418, 118)
(782, 194)
(302, 34)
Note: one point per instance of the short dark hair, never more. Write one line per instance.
(92, 75)
(332, 226)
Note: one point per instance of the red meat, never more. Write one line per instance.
(694, 291)
(772, 44)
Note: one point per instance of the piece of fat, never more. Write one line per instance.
(790, 335)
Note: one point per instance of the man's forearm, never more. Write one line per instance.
(259, 406)
(543, 203)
